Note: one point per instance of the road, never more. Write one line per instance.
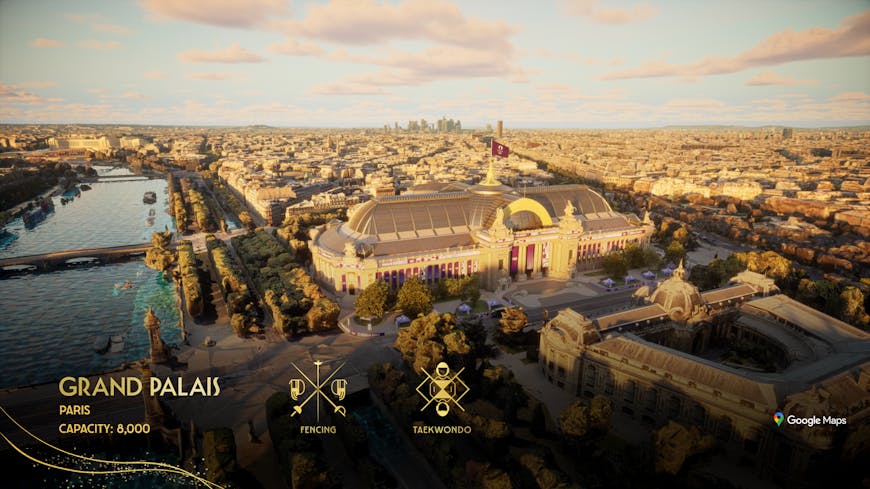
(588, 306)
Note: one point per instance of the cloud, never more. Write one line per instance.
(850, 39)
(291, 47)
(39, 84)
(591, 9)
(99, 45)
(42, 42)
(14, 94)
(133, 96)
(401, 68)
(771, 78)
(156, 75)
(207, 76)
(232, 54)
(577, 58)
(850, 97)
(367, 22)
(339, 88)
(223, 13)
(112, 28)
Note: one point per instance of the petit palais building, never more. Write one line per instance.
(724, 361)
(441, 230)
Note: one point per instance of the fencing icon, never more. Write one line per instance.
(442, 389)
(338, 388)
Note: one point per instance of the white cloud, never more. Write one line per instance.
(850, 97)
(365, 22)
(223, 13)
(770, 78)
(42, 42)
(850, 39)
(334, 88)
(14, 94)
(207, 76)
(233, 54)
(99, 45)
(592, 10)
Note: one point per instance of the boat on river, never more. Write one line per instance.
(149, 197)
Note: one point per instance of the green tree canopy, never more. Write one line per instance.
(615, 265)
(675, 252)
(414, 298)
(372, 301)
(431, 339)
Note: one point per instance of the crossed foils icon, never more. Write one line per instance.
(442, 389)
(338, 388)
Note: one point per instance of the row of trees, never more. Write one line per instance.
(189, 274)
(202, 215)
(415, 297)
(228, 198)
(294, 230)
(296, 301)
(632, 256)
(179, 210)
(240, 302)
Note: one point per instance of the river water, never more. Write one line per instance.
(49, 321)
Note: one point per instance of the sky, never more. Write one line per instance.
(367, 63)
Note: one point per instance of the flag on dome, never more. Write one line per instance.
(499, 149)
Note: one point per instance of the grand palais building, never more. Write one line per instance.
(442, 230)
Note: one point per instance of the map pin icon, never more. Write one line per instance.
(778, 417)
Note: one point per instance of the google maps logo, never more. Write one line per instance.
(777, 418)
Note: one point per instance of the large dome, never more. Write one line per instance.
(679, 298)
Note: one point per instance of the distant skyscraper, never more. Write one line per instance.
(498, 130)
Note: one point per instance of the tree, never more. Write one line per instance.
(634, 255)
(681, 235)
(513, 320)
(615, 265)
(577, 420)
(372, 301)
(431, 339)
(675, 252)
(574, 420)
(599, 413)
(674, 444)
(414, 298)
(852, 300)
(323, 314)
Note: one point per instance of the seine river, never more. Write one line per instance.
(49, 321)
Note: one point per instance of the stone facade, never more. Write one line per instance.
(487, 229)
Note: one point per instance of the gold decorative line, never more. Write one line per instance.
(157, 466)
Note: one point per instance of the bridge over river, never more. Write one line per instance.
(47, 261)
